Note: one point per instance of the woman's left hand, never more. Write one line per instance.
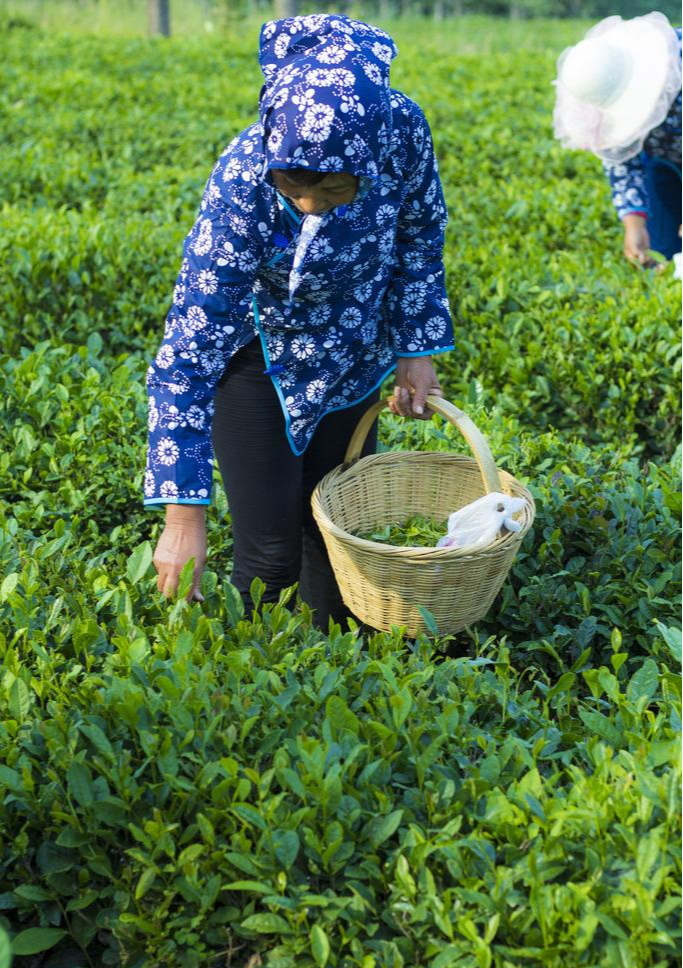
(416, 379)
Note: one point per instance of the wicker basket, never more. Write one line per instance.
(384, 585)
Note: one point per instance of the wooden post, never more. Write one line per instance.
(286, 8)
(159, 17)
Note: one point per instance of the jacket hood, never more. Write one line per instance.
(326, 101)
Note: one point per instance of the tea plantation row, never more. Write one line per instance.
(195, 786)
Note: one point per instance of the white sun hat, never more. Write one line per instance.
(616, 85)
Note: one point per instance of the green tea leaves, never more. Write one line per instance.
(285, 847)
(147, 878)
(340, 717)
(672, 637)
(9, 584)
(19, 699)
(210, 783)
(34, 940)
(139, 563)
(80, 784)
(644, 683)
(5, 949)
(381, 828)
(266, 924)
(401, 703)
(600, 725)
(320, 946)
(429, 620)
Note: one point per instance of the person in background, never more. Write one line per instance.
(315, 267)
(619, 96)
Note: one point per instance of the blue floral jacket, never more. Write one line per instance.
(627, 180)
(334, 299)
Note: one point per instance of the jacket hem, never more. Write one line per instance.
(281, 397)
(435, 352)
(171, 500)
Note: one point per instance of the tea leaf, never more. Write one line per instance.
(80, 784)
(340, 716)
(11, 779)
(5, 949)
(139, 562)
(34, 940)
(256, 886)
(266, 924)
(381, 828)
(673, 638)
(644, 683)
(401, 703)
(146, 880)
(9, 584)
(597, 723)
(19, 700)
(320, 946)
(233, 603)
(286, 847)
(429, 620)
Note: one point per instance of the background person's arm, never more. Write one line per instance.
(637, 239)
(630, 199)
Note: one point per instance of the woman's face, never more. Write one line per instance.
(337, 188)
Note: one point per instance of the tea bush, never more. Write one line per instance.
(556, 327)
(196, 785)
(183, 783)
(191, 783)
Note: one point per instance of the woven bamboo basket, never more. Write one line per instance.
(383, 585)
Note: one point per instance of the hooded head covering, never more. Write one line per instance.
(326, 101)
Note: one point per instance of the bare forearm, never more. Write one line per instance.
(192, 515)
(633, 221)
(636, 239)
(183, 537)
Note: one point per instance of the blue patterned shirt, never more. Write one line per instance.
(334, 298)
(629, 192)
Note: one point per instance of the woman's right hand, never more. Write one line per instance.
(184, 537)
(637, 241)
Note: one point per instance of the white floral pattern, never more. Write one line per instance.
(169, 489)
(165, 357)
(317, 123)
(207, 282)
(303, 347)
(167, 451)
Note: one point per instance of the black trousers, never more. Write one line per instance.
(269, 489)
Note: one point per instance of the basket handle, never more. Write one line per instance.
(478, 443)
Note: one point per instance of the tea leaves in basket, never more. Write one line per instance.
(417, 531)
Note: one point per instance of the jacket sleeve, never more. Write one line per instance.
(420, 322)
(627, 181)
(211, 301)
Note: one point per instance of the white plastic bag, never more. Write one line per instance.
(480, 523)
(678, 268)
